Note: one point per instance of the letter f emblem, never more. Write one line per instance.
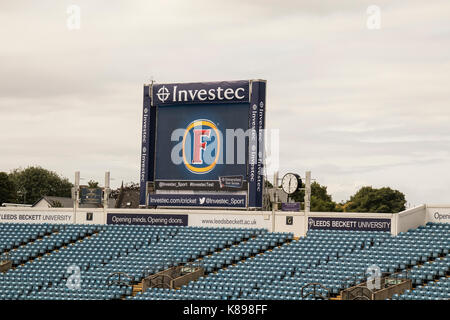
(199, 145)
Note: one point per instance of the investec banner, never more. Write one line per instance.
(201, 92)
(36, 217)
(198, 200)
(205, 136)
(147, 219)
(351, 224)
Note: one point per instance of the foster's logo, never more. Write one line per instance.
(201, 146)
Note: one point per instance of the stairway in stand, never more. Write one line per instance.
(137, 288)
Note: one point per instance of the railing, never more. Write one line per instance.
(315, 293)
(160, 281)
(360, 293)
(385, 286)
(172, 277)
(5, 257)
(123, 279)
(5, 262)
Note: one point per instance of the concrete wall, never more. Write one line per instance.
(410, 219)
(280, 221)
(98, 216)
(298, 222)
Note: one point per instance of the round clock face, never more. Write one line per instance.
(289, 183)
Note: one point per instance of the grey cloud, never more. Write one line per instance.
(355, 106)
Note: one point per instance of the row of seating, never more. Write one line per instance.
(253, 277)
(239, 263)
(50, 271)
(13, 235)
(436, 290)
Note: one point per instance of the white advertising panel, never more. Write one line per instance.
(230, 221)
(438, 214)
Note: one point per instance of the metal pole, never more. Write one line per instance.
(275, 191)
(107, 189)
(275, 198)
(77, 195)
(308, 192)
(307, 199)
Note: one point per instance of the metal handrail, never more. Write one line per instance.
(314, 293)
(163, 283)
(119, 281)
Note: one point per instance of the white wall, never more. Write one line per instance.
(438, 213)
(297, 227)
(98, 216)
(410, 219)
(210, 218)
(400, 222)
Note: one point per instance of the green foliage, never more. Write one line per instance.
(321, 201)
(7, 189)
(34, 182)
(92, 184)
(383, 200)
(56, 204)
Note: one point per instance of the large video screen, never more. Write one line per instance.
(184, 153)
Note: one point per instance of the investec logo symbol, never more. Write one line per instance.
(199, 135)
(163, 94)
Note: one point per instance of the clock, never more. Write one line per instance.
(290, 183)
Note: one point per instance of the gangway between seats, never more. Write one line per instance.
(389, 284)
(174, 277)
(5, 263)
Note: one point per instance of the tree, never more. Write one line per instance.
(7, 189)
(320, 199)
(33, 183)
(56, 204)
(383, 200)
(92, 184)
(114, 194)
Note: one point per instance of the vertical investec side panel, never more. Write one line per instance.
(152, 145)
(145, 146)
(261, 127)
(253, 144)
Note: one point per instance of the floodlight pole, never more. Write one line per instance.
(76, 195)
(307, 199)
(106, 190)
(308, 192)
(275, 198)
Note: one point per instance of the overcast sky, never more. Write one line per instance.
(353, 105)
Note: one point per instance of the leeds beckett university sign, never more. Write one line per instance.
(353, 224)
(204, 137)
